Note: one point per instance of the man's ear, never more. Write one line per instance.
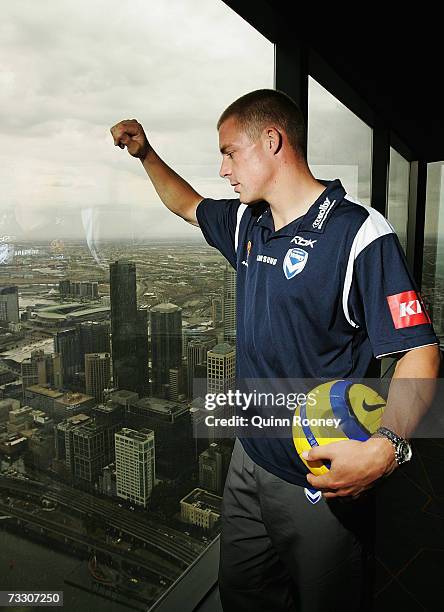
(274, 140)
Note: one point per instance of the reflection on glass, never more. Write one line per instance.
(109, 303)
(339, 143)
(433, 265)
(398, 195)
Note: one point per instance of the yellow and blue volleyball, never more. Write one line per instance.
(334, 411)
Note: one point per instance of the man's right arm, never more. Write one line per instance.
(173, 190)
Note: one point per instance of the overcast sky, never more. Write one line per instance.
(71, 69)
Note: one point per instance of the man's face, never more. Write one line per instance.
(244, 163)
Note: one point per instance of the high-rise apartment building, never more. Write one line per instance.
(135, 464)
(221, 368)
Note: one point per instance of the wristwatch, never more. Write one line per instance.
(403, 449)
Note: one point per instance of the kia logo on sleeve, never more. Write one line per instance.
(407, 309)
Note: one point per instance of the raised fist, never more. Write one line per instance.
(129, 133)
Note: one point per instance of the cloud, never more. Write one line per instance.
(72, 69)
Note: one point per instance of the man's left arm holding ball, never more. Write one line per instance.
(356, 466)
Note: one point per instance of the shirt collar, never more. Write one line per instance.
(316, 217)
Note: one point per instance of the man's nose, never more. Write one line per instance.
(224, 168)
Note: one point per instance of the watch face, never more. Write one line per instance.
(405, 451)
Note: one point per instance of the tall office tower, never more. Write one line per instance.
(41, 369)
(213, 467)
(112, 417)
(126, 326)
(171, 424)
(135, 465)
(197, 355)
(216, 311)
(97, 374)
(66, 342)
(94, 337)
(221, 368)
(166, 344)
(88, 451)
(229, 305)
(63, 438)
(9, 305)
(142, 351)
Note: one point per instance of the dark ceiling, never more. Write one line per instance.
(397, 70)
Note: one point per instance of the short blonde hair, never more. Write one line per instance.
(262, 107)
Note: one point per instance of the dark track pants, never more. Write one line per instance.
(280, 552)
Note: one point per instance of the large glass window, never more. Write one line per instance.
(398, 194)
(433, 265)
(339, 143)
(109, 303)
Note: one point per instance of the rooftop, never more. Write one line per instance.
(204, 500)
(44, 391)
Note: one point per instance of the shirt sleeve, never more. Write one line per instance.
(218, 220)
(385, 301)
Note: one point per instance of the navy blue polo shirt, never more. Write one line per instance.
(320, 298)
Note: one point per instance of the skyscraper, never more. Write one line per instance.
(97, 374)
(142, 352)
(213, 467)
(166, 344)
(88, 451)
(135, 464)
(94, 337)
(9, 305)
(229, 305)
(197, 355)
(221, 375)
(128, 341)
(66, 342)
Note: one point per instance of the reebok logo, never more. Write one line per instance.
(303, 241)
(407, 309)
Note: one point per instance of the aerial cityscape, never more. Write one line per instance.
(99, 455)
(101, 452)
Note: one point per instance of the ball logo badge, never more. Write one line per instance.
(358, 407)
(294, 262)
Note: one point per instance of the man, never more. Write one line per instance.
(322, 289)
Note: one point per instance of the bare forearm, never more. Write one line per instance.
(412, 389)
(173, 190)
